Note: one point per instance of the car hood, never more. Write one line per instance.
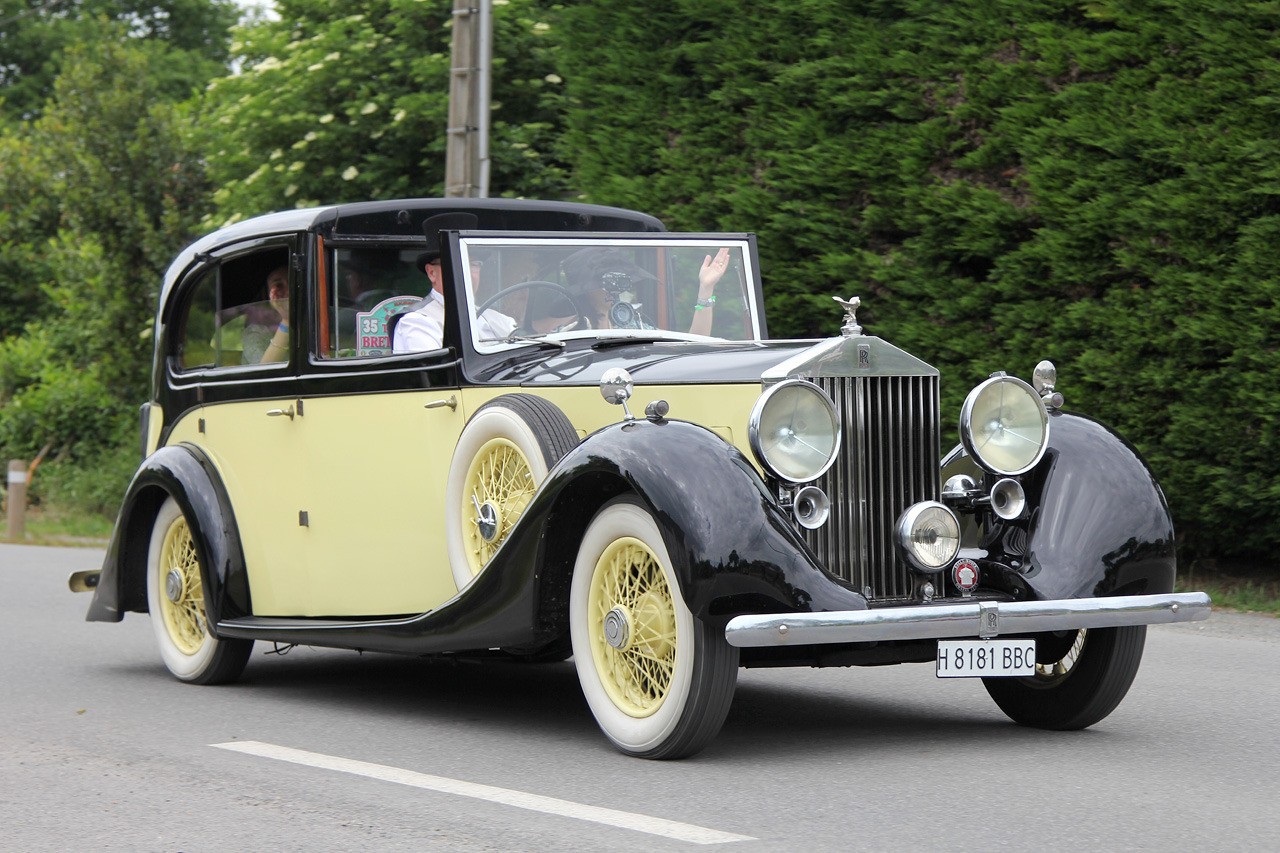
(650, 363)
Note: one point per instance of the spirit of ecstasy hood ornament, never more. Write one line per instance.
(850, 327)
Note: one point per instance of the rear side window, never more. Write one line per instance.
(228, 317)
(369, 286)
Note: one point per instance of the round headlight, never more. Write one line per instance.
(928, 536)
(1004, 425)
(794, 431)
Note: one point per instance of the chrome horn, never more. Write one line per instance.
(1008, 500)
(811, 507)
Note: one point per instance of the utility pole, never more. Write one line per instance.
(466, 167)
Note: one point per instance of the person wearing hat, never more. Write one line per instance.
(422, 327)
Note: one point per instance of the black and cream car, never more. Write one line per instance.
(628, 472)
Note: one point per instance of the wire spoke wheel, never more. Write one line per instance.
(179, 611)
(1079, 688)
(629, 583)
(658, 680)
(503, 454)
(182, 605)
(499, 486)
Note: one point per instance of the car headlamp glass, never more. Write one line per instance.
(794, 431)
(1004, 425)
(928, 536)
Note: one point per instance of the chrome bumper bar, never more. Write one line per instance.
(982, 619)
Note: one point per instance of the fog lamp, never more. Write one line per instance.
(928, 536)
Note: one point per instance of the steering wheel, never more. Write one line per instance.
(534, 285)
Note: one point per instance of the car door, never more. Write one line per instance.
(375, 433)
(239, 401)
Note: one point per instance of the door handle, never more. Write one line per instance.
(452, 403)
(276, 413)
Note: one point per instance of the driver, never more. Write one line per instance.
(422, 327)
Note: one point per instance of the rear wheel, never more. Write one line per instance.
(175, 599)
(658, 681)
(1079, 688)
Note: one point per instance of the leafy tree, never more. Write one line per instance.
(186, 40)
(345, 104)
(129, 192)
(1001, 181)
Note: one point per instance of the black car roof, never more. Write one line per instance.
(403, 219)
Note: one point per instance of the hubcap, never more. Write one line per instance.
(617, 628)
(488, 521)
(173, 585)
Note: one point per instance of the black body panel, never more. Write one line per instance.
(1097, 521)
(185, 473)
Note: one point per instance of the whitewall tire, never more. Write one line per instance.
(175, 600)
(658, 681)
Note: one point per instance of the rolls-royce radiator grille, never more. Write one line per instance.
(888, 461)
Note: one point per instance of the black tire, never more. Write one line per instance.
(1081, 688)
(502, 457)
(662, 685)
(175, 600)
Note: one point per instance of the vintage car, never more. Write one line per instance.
(606, 457)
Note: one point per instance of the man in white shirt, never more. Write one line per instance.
(423, 327)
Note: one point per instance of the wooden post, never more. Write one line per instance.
(466, 169)
(17, 499)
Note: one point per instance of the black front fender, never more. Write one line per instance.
(185, 473)
(1097, 525)
(734, 549)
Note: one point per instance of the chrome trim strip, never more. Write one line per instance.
(963, 620)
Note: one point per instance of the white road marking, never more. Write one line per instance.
(520, 799)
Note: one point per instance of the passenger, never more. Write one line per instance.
(277, 348)
(598, 277)
(422, 327)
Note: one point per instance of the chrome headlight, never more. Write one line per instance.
(928, 535)
(1004, 425)
(794, 431)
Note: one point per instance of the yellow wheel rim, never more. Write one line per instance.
(1059, 668)
(181, 589)
(499, 486)
(631, 620)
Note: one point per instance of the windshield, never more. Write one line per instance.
(663, 286)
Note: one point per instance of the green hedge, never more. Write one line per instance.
(1095, 183)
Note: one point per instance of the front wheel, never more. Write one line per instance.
(1079, 688)
(175, 600)
(659, 682)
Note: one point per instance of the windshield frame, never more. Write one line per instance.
(741, 281)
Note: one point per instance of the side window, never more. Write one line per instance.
(236, 313)
(367, 287)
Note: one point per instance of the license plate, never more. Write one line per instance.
(985, 658)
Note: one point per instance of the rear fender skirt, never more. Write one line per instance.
(184, 472)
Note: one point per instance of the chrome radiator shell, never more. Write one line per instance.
(890, 452)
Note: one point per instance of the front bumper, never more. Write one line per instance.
(982, 619)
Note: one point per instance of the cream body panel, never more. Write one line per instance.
(379, 464)
(369, 472)
(724, 409)
(260, 462)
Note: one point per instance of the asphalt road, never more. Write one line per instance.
(323, 750)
